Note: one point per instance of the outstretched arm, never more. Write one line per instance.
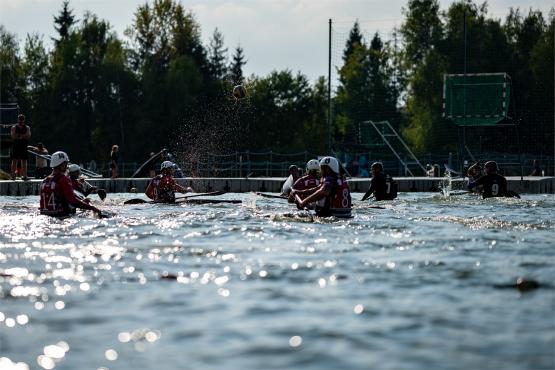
(369, 193)
(73, 200)
(182, 189)
(320, 193)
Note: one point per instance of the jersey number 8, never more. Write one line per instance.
(345, 200)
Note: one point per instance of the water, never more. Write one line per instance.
(428, 282)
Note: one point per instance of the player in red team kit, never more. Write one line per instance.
(309, 181)
(332, 196)
(56, 192)
(162, 188)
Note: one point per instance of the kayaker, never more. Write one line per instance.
(332, 196)
(494, 185)
(79, 184)
(293, 177)
(163, 187)
(56, 192)
(382, 186)
(309, 181)
(474, 172)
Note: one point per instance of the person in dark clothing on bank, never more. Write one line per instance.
(20, 133)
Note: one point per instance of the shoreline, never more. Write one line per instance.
(528, 184)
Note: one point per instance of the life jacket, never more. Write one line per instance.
(162, 189)
(338, 202)
(52, 201)
(306, 182)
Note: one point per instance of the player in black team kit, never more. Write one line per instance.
(494, 185)
(383, 187)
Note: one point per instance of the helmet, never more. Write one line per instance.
(166, 165)
(492, 165)
(313, 164)
(74, 168)
(377, 165)
(293, 167)
(331, 162)
(58, 158)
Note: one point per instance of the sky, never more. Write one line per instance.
(275, 34)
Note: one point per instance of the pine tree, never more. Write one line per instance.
(354, 41)
(217, 55)
(64, 21)
(236, 67)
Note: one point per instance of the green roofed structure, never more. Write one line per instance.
(476, 99)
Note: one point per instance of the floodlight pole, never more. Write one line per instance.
(329, 87)
(462, 130)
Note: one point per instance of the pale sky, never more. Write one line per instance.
(275, 34)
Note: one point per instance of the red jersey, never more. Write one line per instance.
(306, 182)
(338, 202)
(162, 189)
(57, 198)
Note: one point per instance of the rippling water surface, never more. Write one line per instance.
(427, 282)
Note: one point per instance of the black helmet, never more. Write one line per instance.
(378, 165)
(293, 167)
(491, 164)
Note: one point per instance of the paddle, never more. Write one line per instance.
(211, 194)
(213, 201)
(270, 195)
(186, 199)
(138, 201)
(375, 207)
(459, 193)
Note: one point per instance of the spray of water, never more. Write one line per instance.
(219, 125)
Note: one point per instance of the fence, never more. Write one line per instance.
(272, 164)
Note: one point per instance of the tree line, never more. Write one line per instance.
(160, 86)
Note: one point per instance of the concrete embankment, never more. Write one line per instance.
(530, 185)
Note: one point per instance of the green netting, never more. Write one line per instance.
(476, 99)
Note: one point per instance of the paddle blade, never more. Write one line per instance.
(101, 194)
(212, 201)
(135, 201)
(211, 194)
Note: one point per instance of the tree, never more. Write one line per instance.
(64, 21)
(236, 66)
(282, 105)
(424, 65)
(217, 55)
(367, 90)
(422, 29)
(353, 42)
(11, 83)
(35, 73)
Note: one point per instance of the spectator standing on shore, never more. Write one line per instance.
(20, 134)
(41, 164)
(114, 162)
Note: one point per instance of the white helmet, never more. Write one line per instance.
(74, 168)
(313, 165)
(58, 158)
(166, 164)
(331, 163)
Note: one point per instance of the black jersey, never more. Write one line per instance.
(383, 187)
(494, 185)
